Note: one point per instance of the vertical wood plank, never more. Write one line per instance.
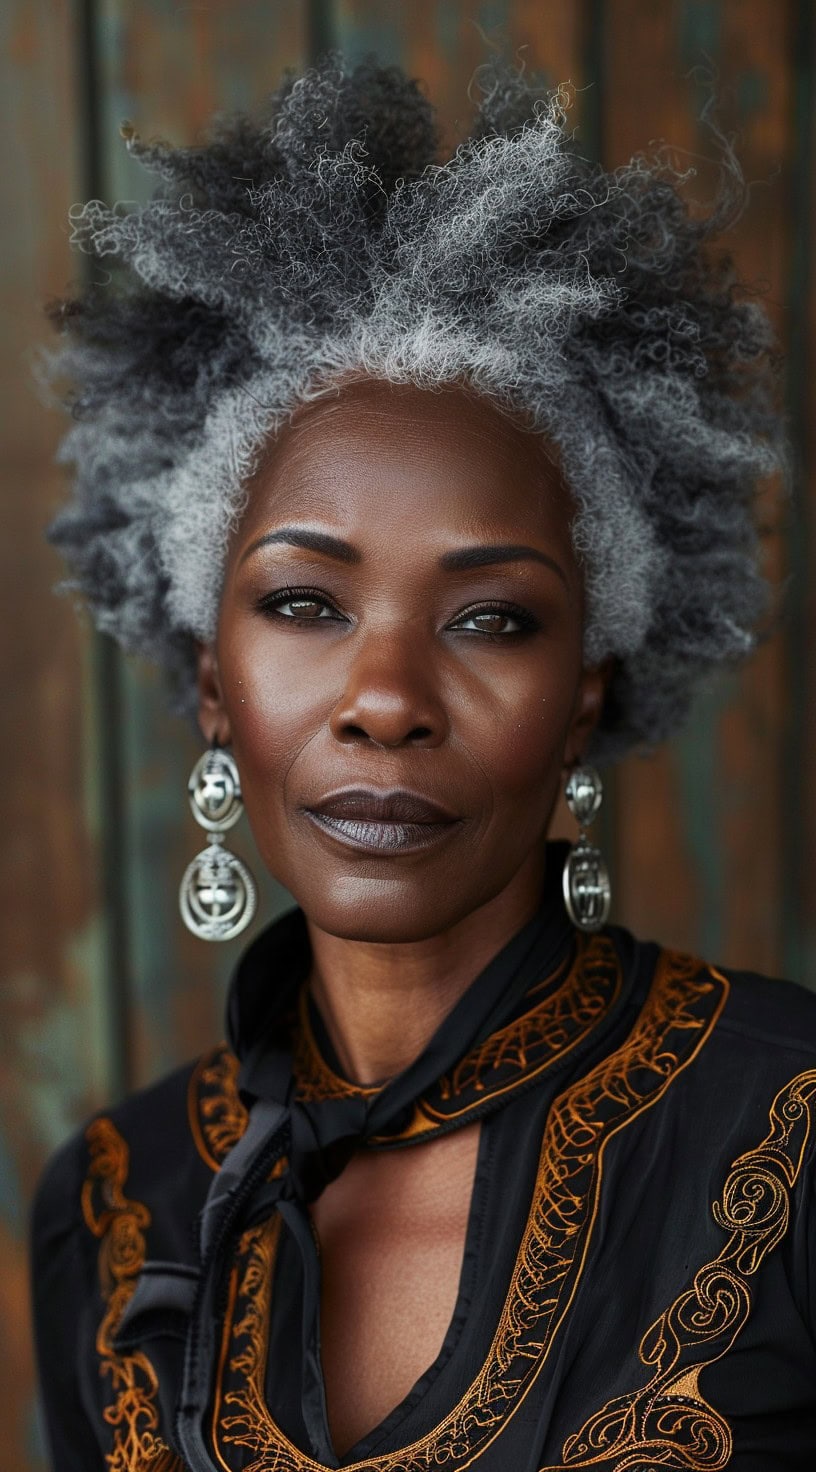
(702, 819)
(54, 1063)
(645, 97)
(758, 42)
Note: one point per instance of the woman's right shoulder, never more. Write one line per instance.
(160, 1142)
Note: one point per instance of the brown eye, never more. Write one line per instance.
(302, 607)
(298, 605)
(497, 622)
(490, 623)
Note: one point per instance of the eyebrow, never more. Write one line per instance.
(485, 554)
(301, 536)
(460, 560)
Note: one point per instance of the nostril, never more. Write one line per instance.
(388, 718)
(352, 732)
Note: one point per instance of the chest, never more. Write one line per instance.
(392, 1231)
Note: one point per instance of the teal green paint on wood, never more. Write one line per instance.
(446, 29)
(381, 34)
(699, 30)
(751, 93)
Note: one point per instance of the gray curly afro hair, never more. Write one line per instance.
(323, 239)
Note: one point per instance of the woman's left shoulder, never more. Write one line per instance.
(772, 1011)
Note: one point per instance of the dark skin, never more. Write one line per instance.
(383, 674)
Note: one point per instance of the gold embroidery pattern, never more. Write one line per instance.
(251, 1280)
(669, 1420)
(315, 1080)
(512, 1056)
(678, 1016)
(547, 1030)
(217, 1117)
(120, 1225)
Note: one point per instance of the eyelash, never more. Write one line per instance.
(526, 620)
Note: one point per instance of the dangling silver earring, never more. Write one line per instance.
(587, 894)
(217, 896)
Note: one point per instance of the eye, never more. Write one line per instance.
(301, 605)
(492, 620)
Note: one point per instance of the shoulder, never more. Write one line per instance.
(736, 1049)
(154, 1149)
(764, 1013)
(758, 1013)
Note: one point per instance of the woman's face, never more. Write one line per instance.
(402, 612)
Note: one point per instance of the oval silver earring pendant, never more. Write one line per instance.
(214, 790)
(217, 895)
(587, 892)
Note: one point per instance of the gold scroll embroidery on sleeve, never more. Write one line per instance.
(120, 1225)
(669, 1421)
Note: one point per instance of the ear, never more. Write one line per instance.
(589, 700)
(212, 717)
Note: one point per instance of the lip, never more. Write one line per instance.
(395, 822)
(397, 805)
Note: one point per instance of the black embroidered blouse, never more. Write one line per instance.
(638, 1286)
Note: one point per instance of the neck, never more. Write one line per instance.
(382, 1003)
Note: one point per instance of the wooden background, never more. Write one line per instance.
(711, 843)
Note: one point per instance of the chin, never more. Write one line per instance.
(383, 910)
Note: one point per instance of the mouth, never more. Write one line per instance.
(396, 822)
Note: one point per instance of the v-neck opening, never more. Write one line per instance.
(367, 1445)
(589, 1013)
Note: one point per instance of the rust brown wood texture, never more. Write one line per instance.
(712, 841)
(52, 1037)
(706, 818)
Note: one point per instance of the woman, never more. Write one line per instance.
(429, 485)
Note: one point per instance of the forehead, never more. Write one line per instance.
(448, 458)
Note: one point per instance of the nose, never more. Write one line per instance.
(391, 695)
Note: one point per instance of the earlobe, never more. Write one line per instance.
(212, 717)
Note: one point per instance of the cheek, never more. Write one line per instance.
(274, 704)
(518, 734)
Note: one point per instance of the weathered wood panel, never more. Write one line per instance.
(53, 1054)
(71, 1039)
(699, 844)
